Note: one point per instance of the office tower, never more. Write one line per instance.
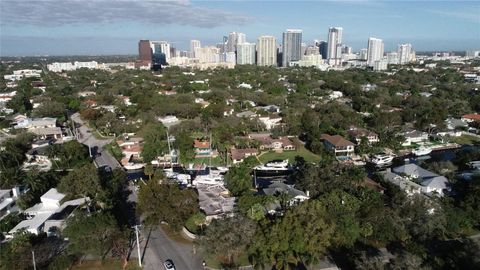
(392, 58)
(347, 50)
(246, 53)
(312, 50)
(145, 52)
(266, 51)
(323, 48)
(291, 46)
(363, 54)
(334, 39)
(233, 39)
(209, 54)
(375, 51)
(404, 53)
(161, 47)
(194, 44)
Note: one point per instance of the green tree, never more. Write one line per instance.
(166, 202)
(238, 180)
(82, 181)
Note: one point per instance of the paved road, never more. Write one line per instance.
(160, 247)
(84, 135)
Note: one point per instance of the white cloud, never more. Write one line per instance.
(156, 12)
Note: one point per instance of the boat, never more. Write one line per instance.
(273, 167)
(130, 166)
(208, 179)
(218, 170)
(382, 159)
(422, 151)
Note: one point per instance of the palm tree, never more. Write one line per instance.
(149, 171)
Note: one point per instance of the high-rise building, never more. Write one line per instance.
(194, 44)
(266, 51)
(363, 54)
(233, 39)
(323, 48)
(161, 47)
(209, 54)
(291, 46)
(375, 51)
(145, 52)
(246, 53)
(392, 58)
(334, 40)
(404, 53)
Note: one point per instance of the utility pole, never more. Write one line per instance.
(138, 247)
(33, 259)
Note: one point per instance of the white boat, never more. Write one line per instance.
(382, 159)
(422, 151)
(218, 170)
(273, 167)
(208, 179)
(133, 166)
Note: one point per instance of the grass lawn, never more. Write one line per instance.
(466, 139)
(290, 155)
(106, 265)
(206, 160)
(175, 236)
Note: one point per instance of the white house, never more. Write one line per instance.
(338, 145)
(39, 214)
(414, 136)
(7, 201)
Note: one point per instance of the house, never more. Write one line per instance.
(7, 201)
(271, 108)
(369, 183)
(131, 149)
(359, 133)
(368, 87)
(168, 120)
(338, 145)
(414, 136)
(269, 143)
(430, 181)
(406, 185)
(215, 202)
(38, 157)
(471, 117)
(238, 155)
(246, 114)
(453, 124)
(39, 214)
(202, 102)
(42, 127)
(295, 196)
(245, 85)
(270, 122)
(202, 148)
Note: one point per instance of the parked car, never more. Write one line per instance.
(169, 265)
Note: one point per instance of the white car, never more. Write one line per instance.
(168, 264)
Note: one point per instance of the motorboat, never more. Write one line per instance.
(208, 179)
(218, 170)
(130, 166)
(422, 151)
(273, 167)
(382, 159)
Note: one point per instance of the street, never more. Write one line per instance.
(160, 247)
(84, 135)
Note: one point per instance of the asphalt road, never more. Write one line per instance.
(84, 135)
(159, 247)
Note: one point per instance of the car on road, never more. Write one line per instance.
(168, 264)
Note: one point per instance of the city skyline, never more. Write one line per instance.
(51, 27)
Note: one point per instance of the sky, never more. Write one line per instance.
(106, 27)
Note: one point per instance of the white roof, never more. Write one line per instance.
(33, 223)
(53, 194)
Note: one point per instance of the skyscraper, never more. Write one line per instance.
(194, 44)
(266, 51)
(323, 47)
(375, 51)
(233, 39)
(246, 53)
(404, 53)
(334, 40)
(161, 47)
(145, 52)
(291, 46)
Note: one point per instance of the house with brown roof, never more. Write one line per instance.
(359, 133)
(203, 148)
(238, 155)
(269, 143)
(471, 117)
(338, 145)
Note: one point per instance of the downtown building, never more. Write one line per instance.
(266, 51)
(291, 46)
(334, 45)
(194, 45)
(375, 51)
(404, 53)
(145, 54)
(246, 53)
(233, 39)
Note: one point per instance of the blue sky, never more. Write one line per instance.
(67, 27)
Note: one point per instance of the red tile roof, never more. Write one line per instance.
(472, 116)
(337, 140)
